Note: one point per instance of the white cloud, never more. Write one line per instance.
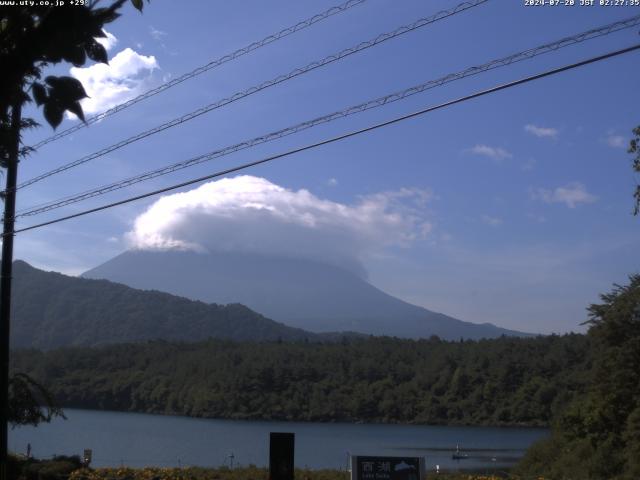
(127, 75)
(493, 221)
(251, 214)
(616, 141)
(572, 195)
(495, 153)
(156, 34)
(542, 132)
(107, 42)
(332, 182)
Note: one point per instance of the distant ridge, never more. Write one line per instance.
(305, 294)
(51, 310)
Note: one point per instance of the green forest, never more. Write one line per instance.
(506, 381)
(586, 387)
(598, 435)
(52, 310)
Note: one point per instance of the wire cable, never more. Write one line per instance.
(371, 104)
(344, 136)
(257, 88)
(204, 68)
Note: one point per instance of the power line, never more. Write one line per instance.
(375, 103)
(257, 88)
(204, 68)
(344, 136)
(527, 54)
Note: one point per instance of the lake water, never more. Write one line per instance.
(138, 440)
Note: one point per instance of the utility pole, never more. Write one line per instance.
(6, 270)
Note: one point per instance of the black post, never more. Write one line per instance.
(281, 449)
(5, 282)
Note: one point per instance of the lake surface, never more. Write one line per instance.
(139, 440)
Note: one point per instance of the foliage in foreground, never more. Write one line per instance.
(247, 473)
(70, 468)
(32, 469)
(29, 402)
(598, 435)
(198, 473)
(634, 149)
(35, 36)
(507, 381)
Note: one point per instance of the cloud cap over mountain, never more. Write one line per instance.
(253, 215)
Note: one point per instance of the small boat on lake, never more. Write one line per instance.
(458, 455)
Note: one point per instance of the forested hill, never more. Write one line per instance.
(506, 381)
(51, 310)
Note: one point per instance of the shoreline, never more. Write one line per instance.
(533, 426)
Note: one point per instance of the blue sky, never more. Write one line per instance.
(513, 209)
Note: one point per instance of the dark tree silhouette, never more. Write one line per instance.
(32, 38)
(598, 435)
(29, 402)
(634, 149)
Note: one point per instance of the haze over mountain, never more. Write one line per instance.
(52, 310)
(301, 293)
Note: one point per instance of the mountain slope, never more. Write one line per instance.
(301, 293)
(52, 310)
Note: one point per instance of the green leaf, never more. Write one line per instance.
(39, 93)
(105, 15)
(75, 55)
(138, 4)
(53, 113)
(76, 109)
(52, 81)
(97, 53)
(66, 89)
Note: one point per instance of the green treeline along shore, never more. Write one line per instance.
(505, 381)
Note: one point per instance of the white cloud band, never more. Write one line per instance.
(572, 195)
(251, 214)
(495, 153)
(541, 132)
